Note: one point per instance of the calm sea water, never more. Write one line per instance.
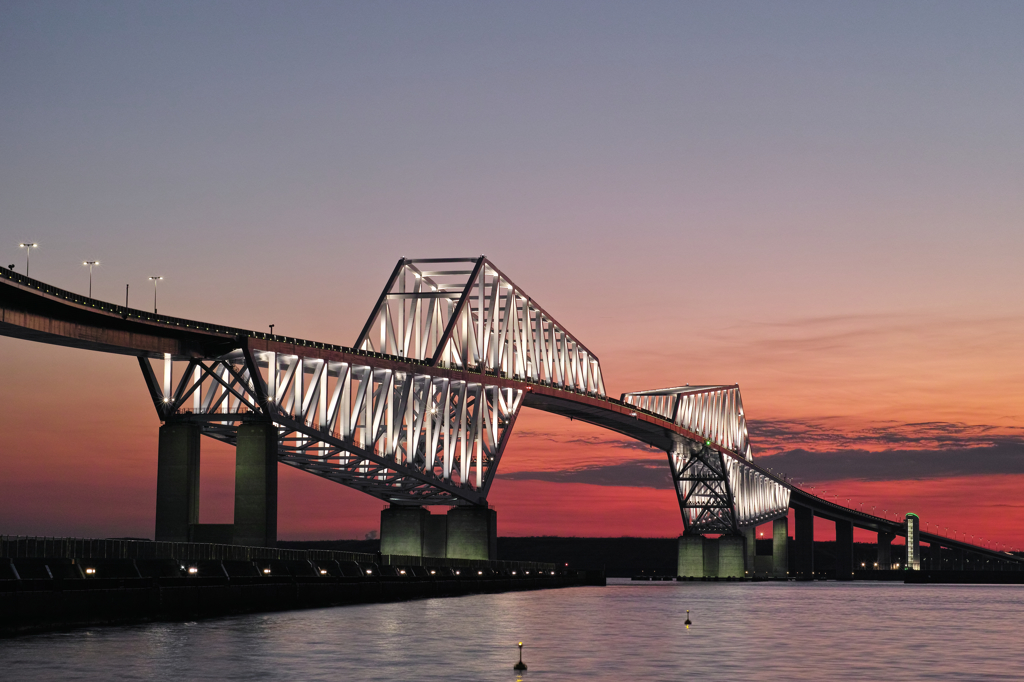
(626, 631)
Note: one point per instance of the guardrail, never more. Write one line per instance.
(30, 547)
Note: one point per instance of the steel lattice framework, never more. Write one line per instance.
(712, 412)
(465, 313)
(421, 411)
(718, 491)
(400, 436)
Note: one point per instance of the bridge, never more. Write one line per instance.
(419, 410)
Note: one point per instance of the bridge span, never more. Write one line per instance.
(418, 412)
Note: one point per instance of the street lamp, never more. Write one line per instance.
(28, 253)
(90, 263)
(155, 280)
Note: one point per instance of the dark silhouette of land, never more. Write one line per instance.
(620, 557)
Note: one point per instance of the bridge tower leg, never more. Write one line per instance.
(691, 557)
(472, 533)
(804, 569)
(402, 530)
(780, 547)
(749, 550)
(885, 550)
(731, 556)
(256, 485)
(844, 550)
(711, 563)
(435, 535)
(177, 482)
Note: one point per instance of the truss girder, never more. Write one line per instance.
(398, 435)
(464, 313)
(722, 494)
(757, 498)
(712, 412)
(702, 485)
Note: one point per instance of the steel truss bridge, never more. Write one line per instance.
(421, 408)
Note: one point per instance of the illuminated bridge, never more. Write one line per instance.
(419, 411)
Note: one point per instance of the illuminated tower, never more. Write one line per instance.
(913, 543)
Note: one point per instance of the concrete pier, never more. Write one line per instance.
(256, 486)
(472, 533)
(885, 550)
(731, 556)
(804, 569)
(710, 557)
(462, 533)
(844, 550)
(177, 482)
(780, 547)
(435, 536)
(402, 530)
(691, 556)
(750, 550)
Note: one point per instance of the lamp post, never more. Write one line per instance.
(28, 253)
(155, 280)
(90, 263)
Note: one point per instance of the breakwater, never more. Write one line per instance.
(56, 583)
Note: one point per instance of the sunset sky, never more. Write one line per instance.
(821, 202)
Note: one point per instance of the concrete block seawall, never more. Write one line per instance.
(106, 587)
(74, 549)
(38, 606)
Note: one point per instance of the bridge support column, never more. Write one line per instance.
(731, 556)
(472, 533)
(885, 550)
(804, 569)
(177, 482)
(256, 486)
(402, 529)
(435, 535)
(780, 547)
(691, 557)
(749, 550)
(711, 548)
(844, 550)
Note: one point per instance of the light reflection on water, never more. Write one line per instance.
(625, 631)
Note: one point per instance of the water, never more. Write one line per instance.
(626, 631)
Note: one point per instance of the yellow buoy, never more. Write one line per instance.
(520, 665)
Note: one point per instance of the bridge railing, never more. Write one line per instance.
(32, 547)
